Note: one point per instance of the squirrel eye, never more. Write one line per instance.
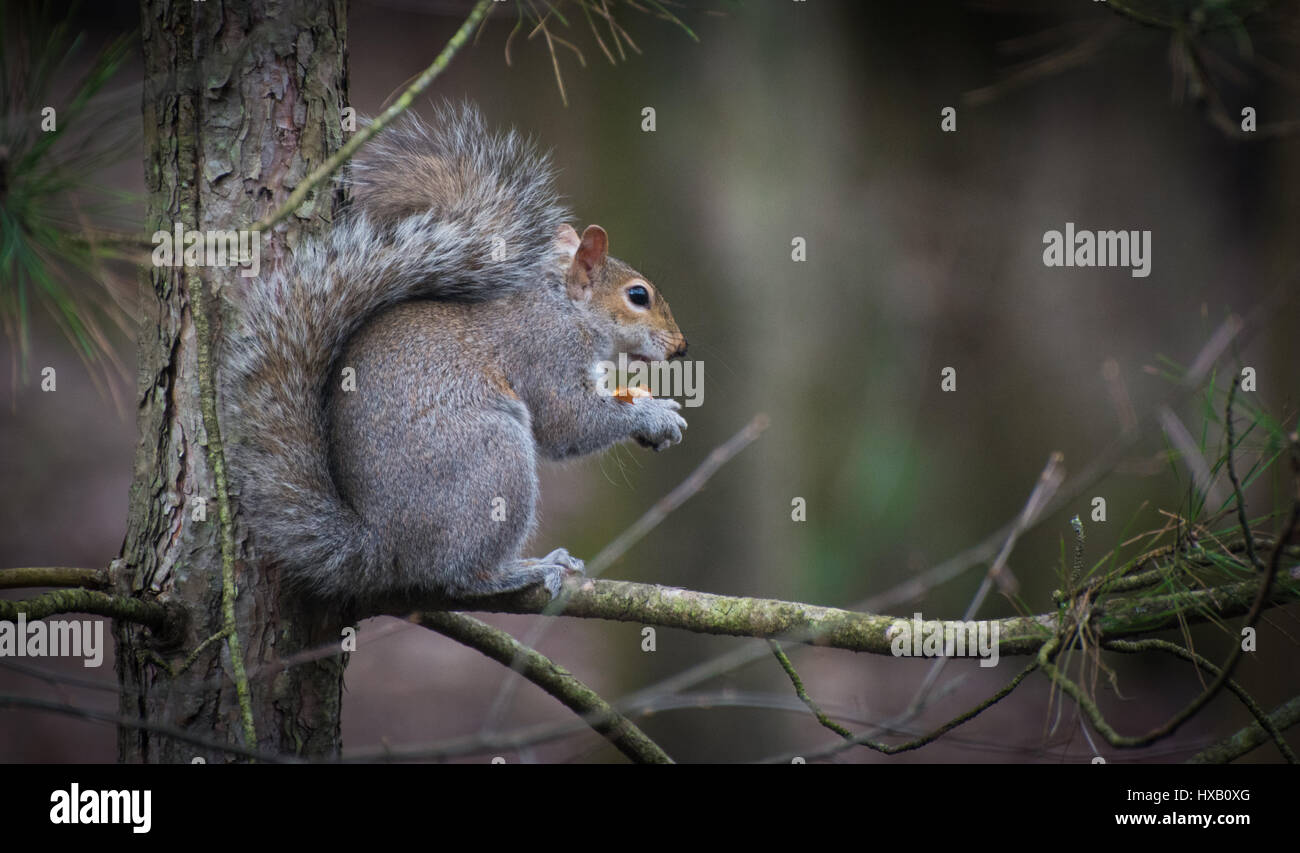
(638, 295)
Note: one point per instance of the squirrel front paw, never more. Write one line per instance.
(661, 426)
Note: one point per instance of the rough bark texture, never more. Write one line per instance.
(241, 100)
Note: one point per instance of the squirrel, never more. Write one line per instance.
(474, 317)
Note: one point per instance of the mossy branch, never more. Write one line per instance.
(217, 459)
(162, 618)
(34, 576)
(831, 627)
(1239, 743)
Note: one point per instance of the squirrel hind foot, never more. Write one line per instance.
(549, 571)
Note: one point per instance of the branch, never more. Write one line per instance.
(216, 454)
(1236, 745)
(707, 613)
(159, 617)
(1119, 617)
(53, 576)
(555, 680)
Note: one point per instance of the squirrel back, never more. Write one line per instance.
(444, 210)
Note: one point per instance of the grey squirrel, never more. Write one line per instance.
(473, 316)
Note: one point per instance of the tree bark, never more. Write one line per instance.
(241, 101)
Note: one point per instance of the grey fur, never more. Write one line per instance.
(470, 359)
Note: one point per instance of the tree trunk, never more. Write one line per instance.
(241, 101)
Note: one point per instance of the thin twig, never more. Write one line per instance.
(799, 690)
(578, 697)
(917, 743)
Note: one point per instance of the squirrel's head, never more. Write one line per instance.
(640, 320)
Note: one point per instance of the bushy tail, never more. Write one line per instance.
(440, 211)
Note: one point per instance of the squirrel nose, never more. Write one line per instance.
(681, 350)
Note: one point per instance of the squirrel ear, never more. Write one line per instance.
(594, 247)
(587, 261)
(567, 240)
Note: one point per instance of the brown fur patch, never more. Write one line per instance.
(498, 380)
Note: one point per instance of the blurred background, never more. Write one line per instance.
(818, 120)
